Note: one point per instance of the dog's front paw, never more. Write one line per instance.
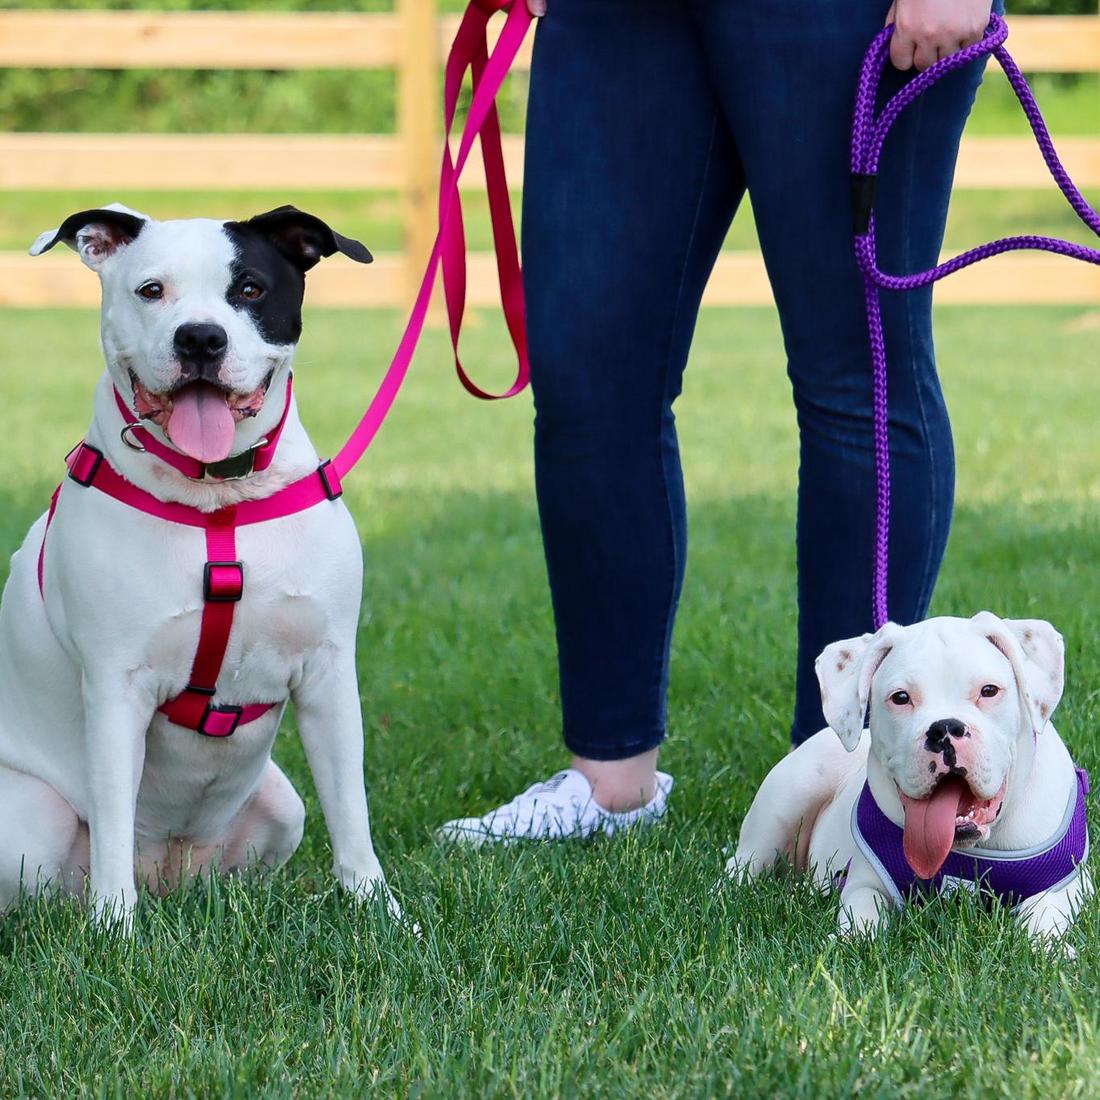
(370, 886)
(737, 870)
(114, 911)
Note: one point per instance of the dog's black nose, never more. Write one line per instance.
(200, 344)
(940, 733)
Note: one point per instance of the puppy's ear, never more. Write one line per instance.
(96, 235)
(845, 671)
(302, 238)
(1037, 654)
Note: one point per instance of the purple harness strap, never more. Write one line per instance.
(1011, 876)
(868, 134)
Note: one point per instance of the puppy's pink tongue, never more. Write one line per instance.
(930, 826)
(202, 424)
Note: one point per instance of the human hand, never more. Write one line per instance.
(536, 7)
(926, 30)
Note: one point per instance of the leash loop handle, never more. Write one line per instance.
(868, 135)
(488, 79)
(470, 53)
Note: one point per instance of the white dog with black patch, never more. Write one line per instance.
(961, 780)
(118, 619)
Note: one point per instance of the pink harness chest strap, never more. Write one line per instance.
(222, 588)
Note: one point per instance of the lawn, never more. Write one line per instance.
(600, 969)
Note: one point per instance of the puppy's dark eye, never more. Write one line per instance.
(151, 291)
(251, 290)
(900, 699)
(989, 691)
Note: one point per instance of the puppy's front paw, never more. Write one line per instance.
(1052, 943)
(863, 912)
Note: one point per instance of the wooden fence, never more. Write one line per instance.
(412, 40)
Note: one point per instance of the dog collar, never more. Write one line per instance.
(256, 458)
(1011, 876)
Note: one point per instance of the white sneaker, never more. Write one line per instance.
(562, 807)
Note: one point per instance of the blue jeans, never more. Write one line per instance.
(648, 120)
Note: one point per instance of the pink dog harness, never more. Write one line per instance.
(223, 584)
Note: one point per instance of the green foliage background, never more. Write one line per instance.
(211, 101)
(203, 101)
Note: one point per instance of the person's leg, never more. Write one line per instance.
(787, 73)
(630, 185)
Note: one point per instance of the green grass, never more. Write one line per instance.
(603, 969)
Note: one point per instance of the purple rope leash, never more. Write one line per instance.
(868, 135)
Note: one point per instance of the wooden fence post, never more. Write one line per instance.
(418, 107)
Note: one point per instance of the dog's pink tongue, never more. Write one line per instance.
(201, 424)
(930, 826)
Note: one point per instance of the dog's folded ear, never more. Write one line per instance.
(95, 234)
(303, 238)
(1037, 654)
(844, 672)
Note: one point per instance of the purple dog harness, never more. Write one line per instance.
(1011, 876)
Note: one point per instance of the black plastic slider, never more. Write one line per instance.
(863, 201)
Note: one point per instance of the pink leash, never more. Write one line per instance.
(223, 573)
(470, 51)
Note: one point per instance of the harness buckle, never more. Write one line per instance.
(85, 464)
(222, 581)
(330, 480)
(220, 721)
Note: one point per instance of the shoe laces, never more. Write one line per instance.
(546, 787)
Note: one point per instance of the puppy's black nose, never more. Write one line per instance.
(200, 344)
(940, 733)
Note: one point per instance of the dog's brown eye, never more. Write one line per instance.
(989, 691)
(151, 291)
(252, 291)
(900, 699)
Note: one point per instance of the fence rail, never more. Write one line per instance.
(407, 161)
(363, 40)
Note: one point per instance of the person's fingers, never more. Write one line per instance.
(536, 7)
(925, 54)
(975, 34)
(899, 57)
(902, 49)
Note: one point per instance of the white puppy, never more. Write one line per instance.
(961, 778)
(199, 324)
